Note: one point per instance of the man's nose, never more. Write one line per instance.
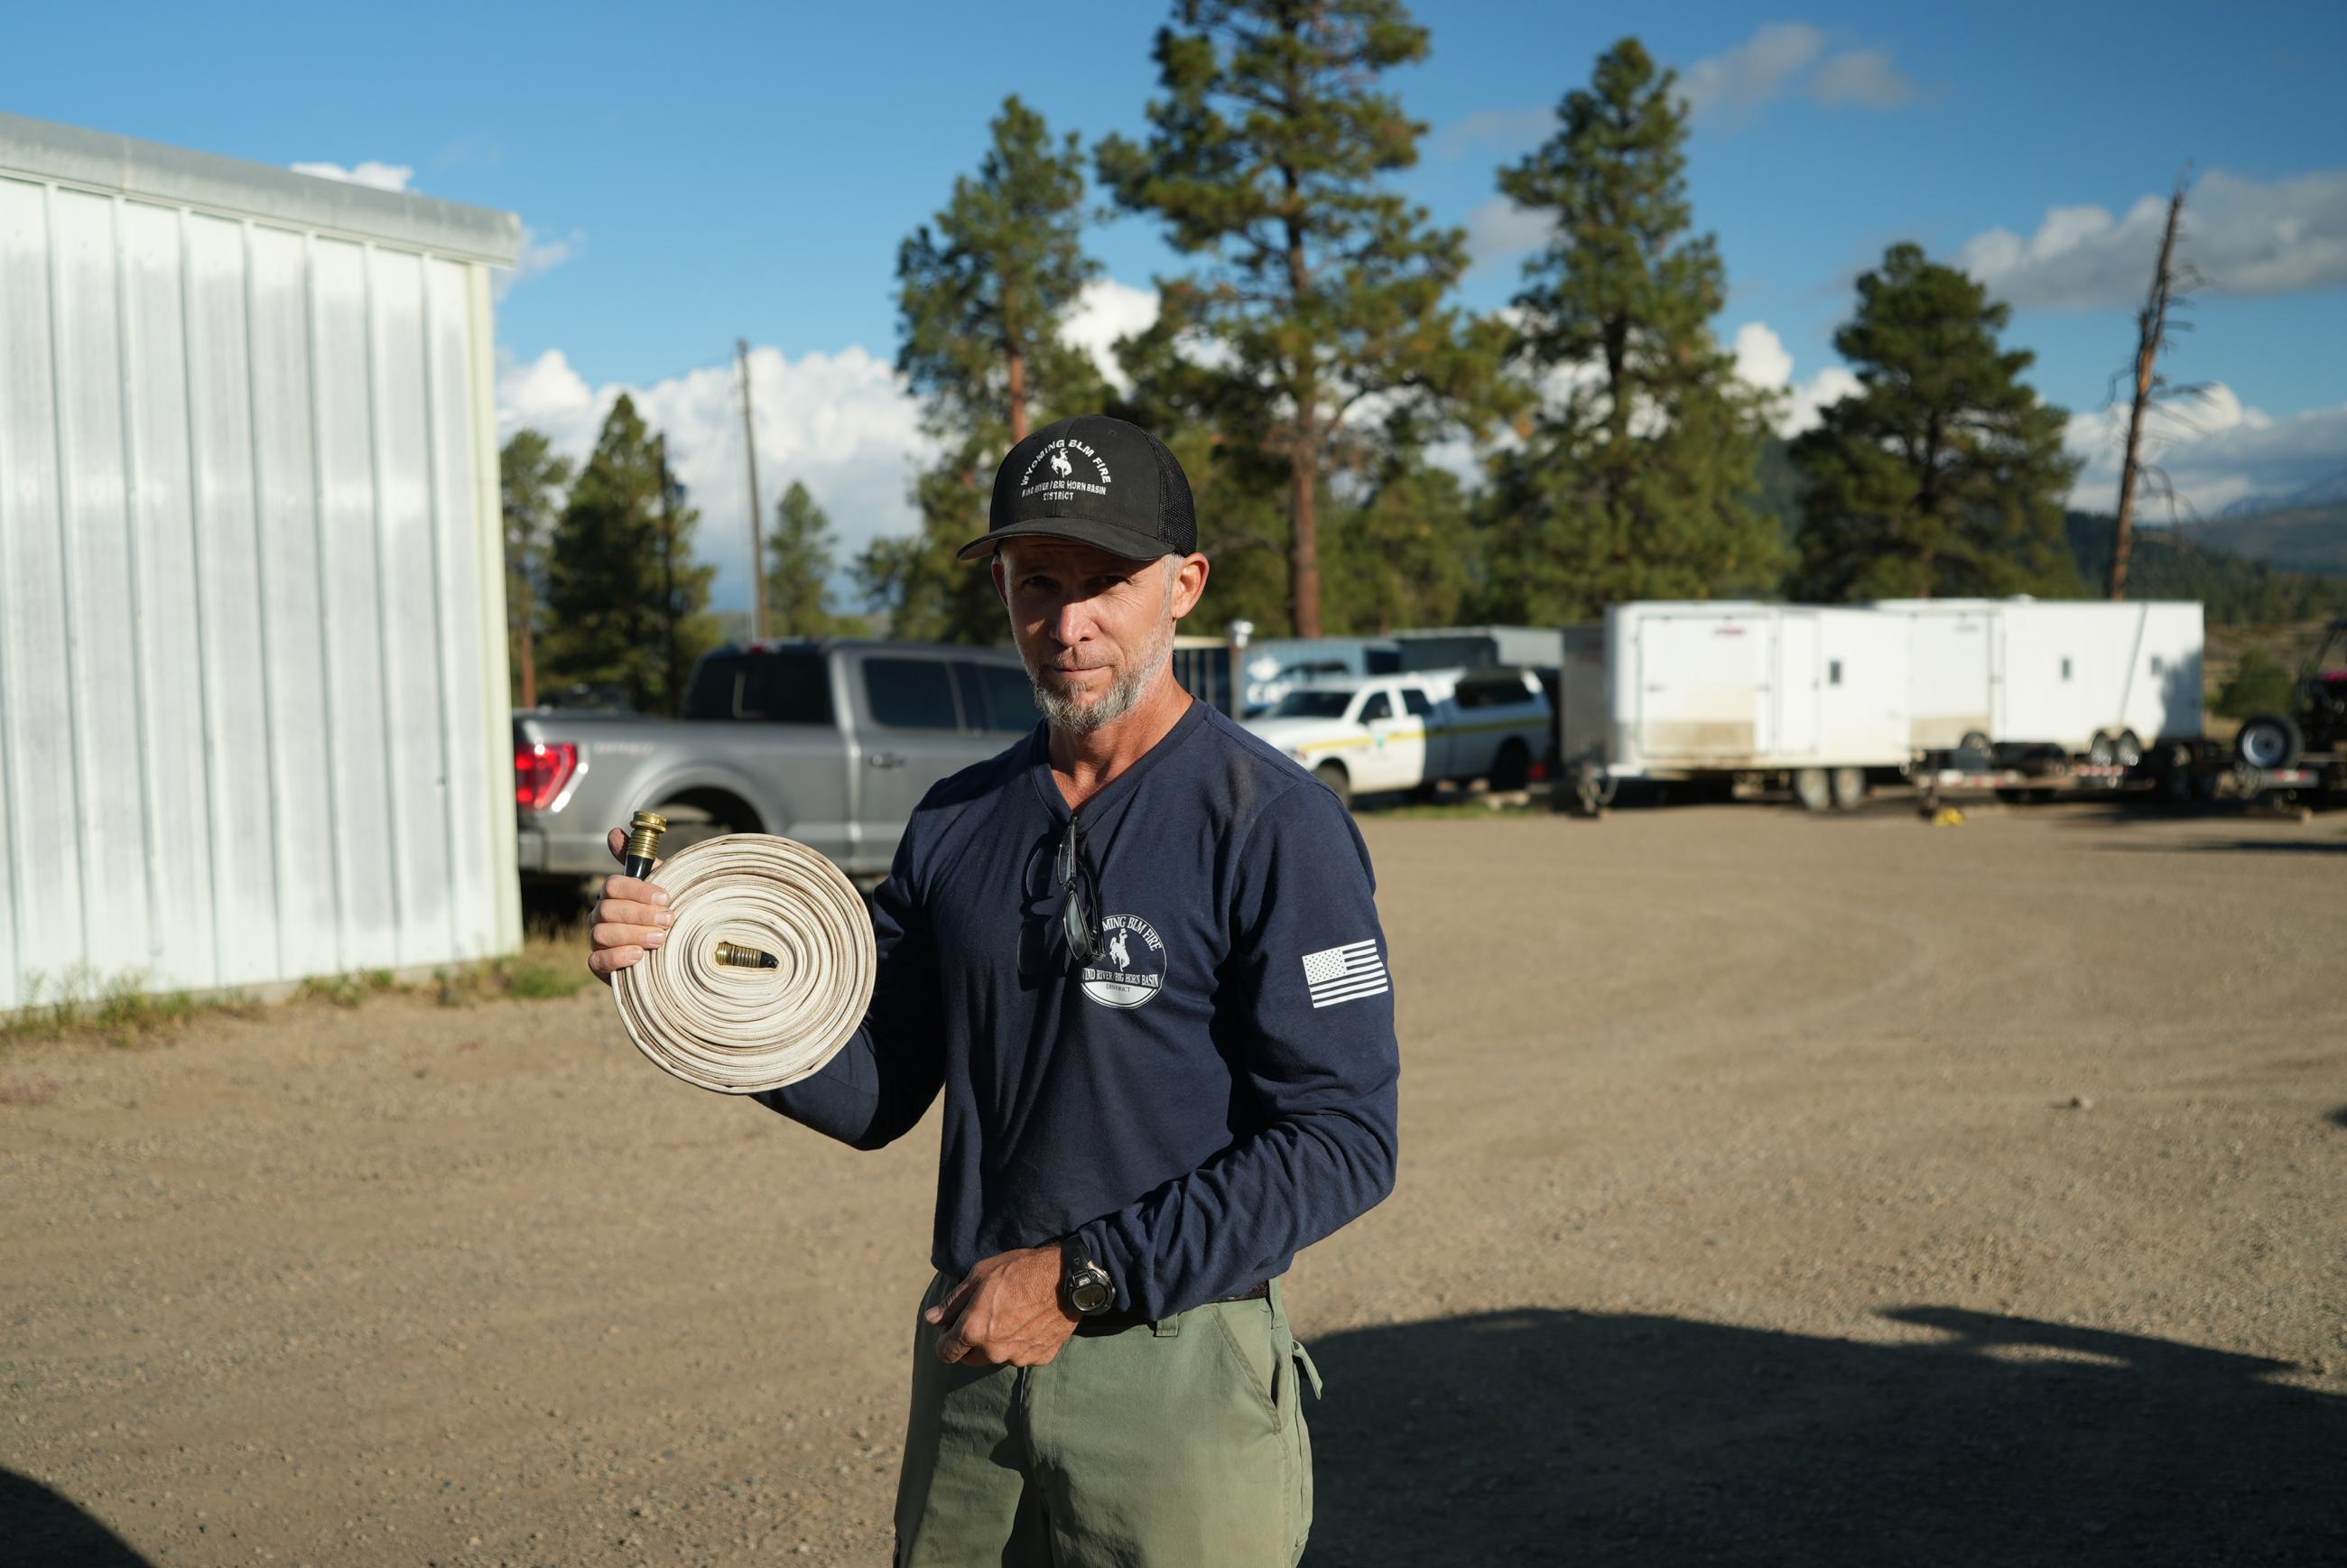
(1072, 622)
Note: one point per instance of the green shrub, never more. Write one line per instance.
(2259, 685)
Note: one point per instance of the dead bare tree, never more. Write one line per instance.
(2151, 336)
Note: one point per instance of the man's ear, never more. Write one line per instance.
(995, 569)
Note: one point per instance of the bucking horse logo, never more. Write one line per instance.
(1117, 951)
(1061, 465)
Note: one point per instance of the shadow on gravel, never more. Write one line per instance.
(42, 1530)
(1539, 1437)
(2236, 847)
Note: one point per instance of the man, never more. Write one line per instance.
(1138, 953)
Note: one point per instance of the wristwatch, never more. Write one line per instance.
(1086, 1284)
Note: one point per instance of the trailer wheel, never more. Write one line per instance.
(1849, 786)
(1339, 781)
(2269, 741)
(1513, 768)
(1813, 788)
(2126, 748)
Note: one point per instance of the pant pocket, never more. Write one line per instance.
(1299, 1370)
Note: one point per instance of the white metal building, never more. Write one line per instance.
(254, 712)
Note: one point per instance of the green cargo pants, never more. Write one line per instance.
(1176, 1444)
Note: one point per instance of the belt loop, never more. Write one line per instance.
(1167, 1328)
(1278, 1306)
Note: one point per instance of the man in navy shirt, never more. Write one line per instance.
(1138, 952)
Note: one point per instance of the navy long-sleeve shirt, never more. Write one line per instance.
(1213, 1091)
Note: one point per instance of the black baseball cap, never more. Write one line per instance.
(1097, 480)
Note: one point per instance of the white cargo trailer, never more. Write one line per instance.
(1817, 697)
(1997, 678)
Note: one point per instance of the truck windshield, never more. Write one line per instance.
(1313, 705)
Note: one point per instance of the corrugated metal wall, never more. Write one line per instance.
(253, 679)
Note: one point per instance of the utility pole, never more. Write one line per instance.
(757, 523)
(2151, 333)
(668, 582)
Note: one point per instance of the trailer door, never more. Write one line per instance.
(1952, 659)
(1798, 653)
(1703, 688)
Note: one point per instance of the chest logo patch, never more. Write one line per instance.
(1130, 967)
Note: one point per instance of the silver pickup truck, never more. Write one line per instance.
(832, 744)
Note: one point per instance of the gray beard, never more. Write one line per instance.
(1115, 702)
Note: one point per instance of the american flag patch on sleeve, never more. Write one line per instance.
(1346, 974)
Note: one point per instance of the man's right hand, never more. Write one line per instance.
(630, 917)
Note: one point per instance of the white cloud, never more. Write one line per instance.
(539, 257)
(381, 176)
(843, 424)
(2215, 449)
(1106, 311)
(1763, 361)
(2244, 236)
(1500, 231)
(1785, 58)
(1502, 130)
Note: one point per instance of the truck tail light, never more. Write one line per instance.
(541, 771)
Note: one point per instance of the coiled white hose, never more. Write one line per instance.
(741, 1030)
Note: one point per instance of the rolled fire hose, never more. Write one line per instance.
(767, 971)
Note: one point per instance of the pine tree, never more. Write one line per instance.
(1401, 557)
(980, 300)
(626, 605)
(1637, 478)
(798, 579)
(1943, 475)
(1267, 157)
(529, 478)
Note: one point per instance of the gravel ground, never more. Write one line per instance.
(1774, 1189)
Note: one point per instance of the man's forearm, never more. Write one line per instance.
(1220, 1228)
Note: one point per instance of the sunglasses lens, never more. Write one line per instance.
(1077, 922)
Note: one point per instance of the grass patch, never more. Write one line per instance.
(120, 1009)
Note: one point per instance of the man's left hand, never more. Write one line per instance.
(1007, 1313)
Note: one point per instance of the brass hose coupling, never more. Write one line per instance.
(644, 843)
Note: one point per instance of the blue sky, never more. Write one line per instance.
(692, 174)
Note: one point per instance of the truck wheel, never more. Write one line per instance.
(2103, 750)
(1333, 774)
(1849, 788)
(1974, 753)
(1513, 768)
(1813, 789)
(2126, 748)
(2269, 741)
(688, 825)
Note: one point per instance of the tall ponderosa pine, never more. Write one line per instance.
(980, 300)
(626, 605)
(1637, 478)
(800, 551)
(1943, 475)
(1267, 155)
(530, 478)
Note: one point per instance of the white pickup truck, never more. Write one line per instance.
(1370, 733)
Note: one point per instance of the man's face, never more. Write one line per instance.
(1094, 629)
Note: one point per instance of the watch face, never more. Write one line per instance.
(1089, 1295)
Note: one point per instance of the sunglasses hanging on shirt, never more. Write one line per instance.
(1079, 916)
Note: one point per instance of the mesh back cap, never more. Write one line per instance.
(1097, 480)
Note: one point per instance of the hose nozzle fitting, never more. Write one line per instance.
(644, 843)
(741, 958)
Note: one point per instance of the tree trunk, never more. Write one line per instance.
(1018, 396)
(2151, 326)
(1303, 548)
(529, 651)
